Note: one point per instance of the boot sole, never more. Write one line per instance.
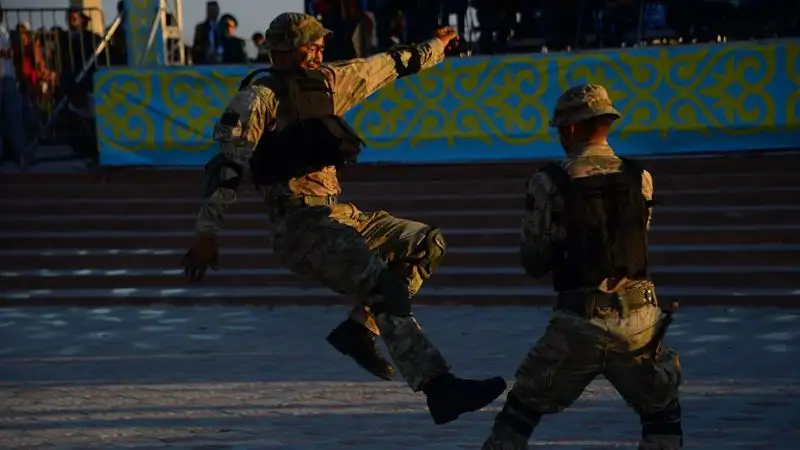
(337, 344)
(451, 416)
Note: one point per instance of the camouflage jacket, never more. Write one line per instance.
(539, 232)
(256, 106)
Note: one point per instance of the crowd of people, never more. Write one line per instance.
(43, 63)
(39, 67)
(507, 26)
(363, 27)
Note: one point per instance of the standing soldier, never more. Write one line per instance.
(287, 126)
(586, 221)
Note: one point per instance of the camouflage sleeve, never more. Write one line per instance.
(238, 130)
(647, 192)
(538, 230)
(354, 80)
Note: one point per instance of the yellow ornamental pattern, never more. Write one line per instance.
(688, 98)
(140, 15)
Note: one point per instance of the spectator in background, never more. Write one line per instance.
(207, 46)
(77, 48)
(496, 18)
(421, 16)
(32, 75)
(119, 45)
(28, 59)
(233, 47)
(344, 18)
(262, 54)
(459, 8)
(384, 11)
(11, 126)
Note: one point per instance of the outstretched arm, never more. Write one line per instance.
(354, 80)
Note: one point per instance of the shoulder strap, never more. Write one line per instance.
(634, 170)
(631, 167)
(308, 94)
(559, 176)
(252, 75)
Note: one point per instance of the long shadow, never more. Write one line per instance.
(591, 423)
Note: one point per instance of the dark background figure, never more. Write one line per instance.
(233, 47)
(78, 45)
(262, 54)
(496, 19)
(32, 74)
(459, 8)
(350, 25)
(206, 48)
(421, 16)
(387, 15)
(119, 45)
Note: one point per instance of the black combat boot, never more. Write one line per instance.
(449, 397)
(354, 340)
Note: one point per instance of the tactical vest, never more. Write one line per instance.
(315, 137)
(605, 217)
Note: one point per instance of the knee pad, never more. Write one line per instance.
(433, 247)
(393, 292)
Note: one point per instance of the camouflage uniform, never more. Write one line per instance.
(333, 243)
(575, 350)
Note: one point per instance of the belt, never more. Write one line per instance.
(280, 206)
(585, 304)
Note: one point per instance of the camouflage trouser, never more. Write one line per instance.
(572, 353)
(346, 249)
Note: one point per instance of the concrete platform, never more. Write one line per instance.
(264, 378)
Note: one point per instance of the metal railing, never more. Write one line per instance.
(55, 54)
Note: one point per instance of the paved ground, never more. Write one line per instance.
(238, 378)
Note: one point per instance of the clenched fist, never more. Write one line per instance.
(447, 35)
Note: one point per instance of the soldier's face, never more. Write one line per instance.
(310, 56)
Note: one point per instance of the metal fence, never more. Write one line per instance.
(55, 52)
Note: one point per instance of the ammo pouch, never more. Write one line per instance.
(584, 304)
(314, 136)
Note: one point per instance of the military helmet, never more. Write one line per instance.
(290, 31)
(582, 102)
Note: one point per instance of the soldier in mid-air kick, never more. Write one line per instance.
(285, 124)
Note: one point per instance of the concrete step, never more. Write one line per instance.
(725, 234)
(752, 199)
(724, 276)
(263, 257)
(291, 295)
(410, 186)
(509, 218)
(463, 237)
(758, 161)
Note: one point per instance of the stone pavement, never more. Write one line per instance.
(264, 378)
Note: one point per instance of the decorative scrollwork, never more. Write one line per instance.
(492, 103)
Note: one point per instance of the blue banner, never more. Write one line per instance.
(677, 99)
(138, 24)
